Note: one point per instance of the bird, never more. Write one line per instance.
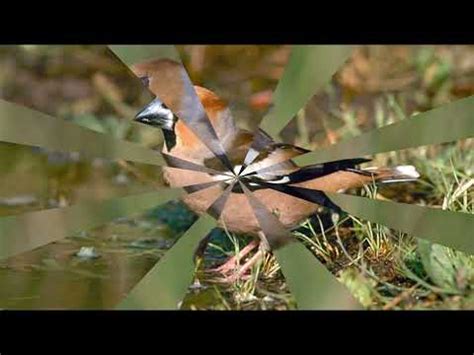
(290, 192)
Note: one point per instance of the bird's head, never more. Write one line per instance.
(155, 74)
(157, 114)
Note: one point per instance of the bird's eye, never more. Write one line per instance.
(145, 80)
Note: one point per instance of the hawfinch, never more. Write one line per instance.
(290, 192)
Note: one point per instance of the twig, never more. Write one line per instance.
(402, 296)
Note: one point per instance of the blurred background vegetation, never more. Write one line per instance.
(89, 86)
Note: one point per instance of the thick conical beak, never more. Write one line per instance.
(157, 114)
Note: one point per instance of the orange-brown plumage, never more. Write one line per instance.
(237, 215)
(213, 105)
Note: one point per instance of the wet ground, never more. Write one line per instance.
(96, 268)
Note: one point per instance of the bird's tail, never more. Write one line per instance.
(401, 173)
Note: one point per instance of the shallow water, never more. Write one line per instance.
(56, 276)
(52, 276)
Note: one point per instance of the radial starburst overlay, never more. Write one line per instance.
(218, 179)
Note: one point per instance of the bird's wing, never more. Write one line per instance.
(318, 170)
(235, 151)
(273, 158)
(276, 157)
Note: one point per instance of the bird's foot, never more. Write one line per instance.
(231, 279)
(233, 263)
(240, 274)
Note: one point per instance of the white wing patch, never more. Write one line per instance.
(408, 170)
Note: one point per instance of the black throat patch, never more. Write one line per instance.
(170, 139)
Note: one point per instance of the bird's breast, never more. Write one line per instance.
(237, 215)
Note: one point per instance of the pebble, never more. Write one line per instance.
(87, 253)
(18, 200)
(151, 243)
(268, 299)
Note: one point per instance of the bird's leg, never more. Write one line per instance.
(232, 263)
(257, 257)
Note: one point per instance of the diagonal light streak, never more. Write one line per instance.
(175, 89)
(165, 285)
(97, 63)
(24, 126)
(452, 229)
(279, 153)
(313, 286)
(315, 196)
(17, 125)
(450, 122)
(309, 68)
(33, 229)
(184, 164)
(191, 178)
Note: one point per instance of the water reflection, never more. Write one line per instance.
(54, 276)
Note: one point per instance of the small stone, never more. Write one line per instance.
(82, 234)
(268, 299)
(151, 243)
(196, 285)
(245, 297)
(87, 253)
(18, 200)
(121, 179)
